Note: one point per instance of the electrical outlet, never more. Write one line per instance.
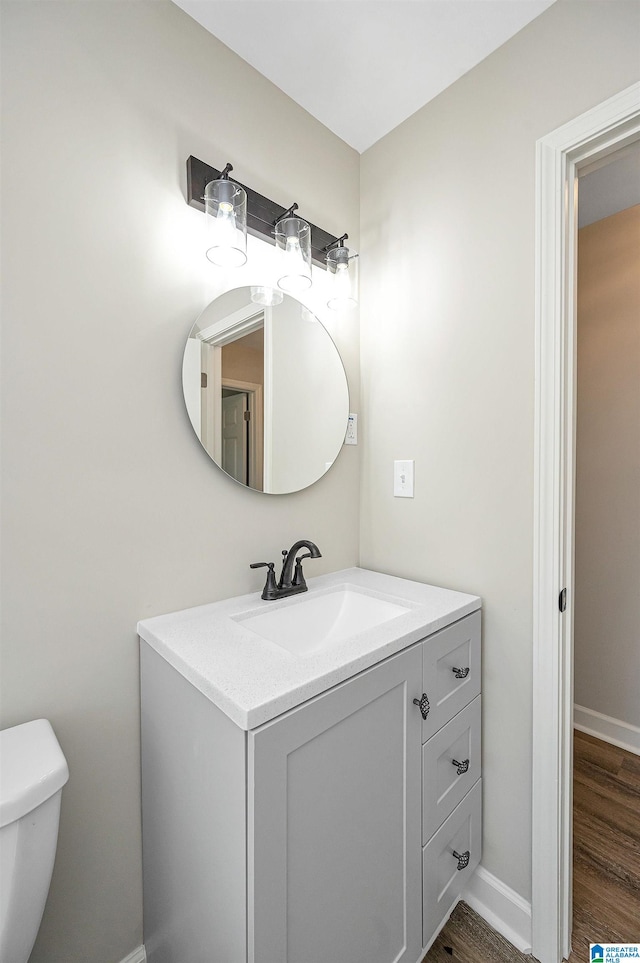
(351, 437)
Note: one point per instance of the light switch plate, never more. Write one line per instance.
(403, 478)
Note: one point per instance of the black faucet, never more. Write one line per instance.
(291, 581)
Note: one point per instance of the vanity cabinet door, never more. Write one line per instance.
(334, 824)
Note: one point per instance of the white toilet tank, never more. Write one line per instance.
(33, 771)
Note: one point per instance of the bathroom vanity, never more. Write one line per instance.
(316, 802)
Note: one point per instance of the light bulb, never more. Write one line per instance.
(225, 204)
(342, 279)
(293, 238)
(293, 254)
(295, 277)
(342, 283)
(225, 228)
(293, 247)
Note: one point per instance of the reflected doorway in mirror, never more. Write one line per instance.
(289, 376)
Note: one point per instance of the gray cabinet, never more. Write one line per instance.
(448, 860)
(334, 824)
(451, 784)
(451, 671)
(450, 767)
(326, 834)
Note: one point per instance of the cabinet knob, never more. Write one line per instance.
(463, 859)
(460, 673)
(462, 766)
(423, 704)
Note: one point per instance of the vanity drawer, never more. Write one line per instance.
(442, 881)
(450, 766)
(450, 672)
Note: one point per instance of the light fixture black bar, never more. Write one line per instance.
(262, 213)
(337, 242)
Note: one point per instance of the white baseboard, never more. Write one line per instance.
(501, 907)
(618, 733)
(137, 956)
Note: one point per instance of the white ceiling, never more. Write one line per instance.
(361, 67)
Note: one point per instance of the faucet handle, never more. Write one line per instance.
(270, 590)
(298, 575)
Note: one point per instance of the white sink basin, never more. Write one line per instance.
(306, 625)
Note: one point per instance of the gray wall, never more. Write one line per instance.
(112, 511)
(448, 355)
(607, 617)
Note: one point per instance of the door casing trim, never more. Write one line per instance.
(560, 156)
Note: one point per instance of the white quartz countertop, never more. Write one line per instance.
(253, 680)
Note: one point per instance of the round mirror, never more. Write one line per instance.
(265, 389)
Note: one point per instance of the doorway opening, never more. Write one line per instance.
(606, 663)
(242, 384)
(235, 383)
(581, 146)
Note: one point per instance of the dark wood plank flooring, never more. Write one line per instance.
(468, 939)
(606, 866)
(606, 845)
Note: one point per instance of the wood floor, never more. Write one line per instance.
(468, 939)
(606, 881)
(606, 845)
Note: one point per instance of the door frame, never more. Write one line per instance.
(580, 146)
(213, 338)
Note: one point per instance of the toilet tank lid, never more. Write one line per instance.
(32, 768)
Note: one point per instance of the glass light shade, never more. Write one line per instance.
(225, 204)
(342, 265)
(262, 294)
(293, 238)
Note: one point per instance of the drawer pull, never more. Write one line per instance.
(460, 673)
(463, 859)
(462, 766)
(423, 704)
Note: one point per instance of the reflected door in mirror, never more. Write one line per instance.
(235, 455)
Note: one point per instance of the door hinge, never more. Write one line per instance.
(203, 379)
(562, 600)
(247, 416)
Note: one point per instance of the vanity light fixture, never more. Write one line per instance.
(226, 201)
(293, 238)
(342, 265)
(262, 214)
